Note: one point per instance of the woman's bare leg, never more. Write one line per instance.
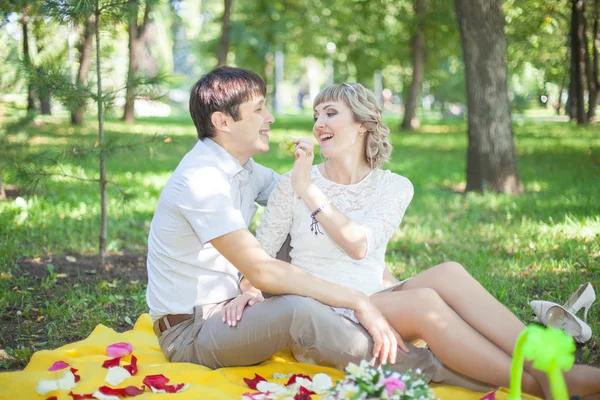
(477, 307)
(422, 313)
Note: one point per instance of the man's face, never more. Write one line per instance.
(250, 134)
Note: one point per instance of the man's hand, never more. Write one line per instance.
(385, 338)
(233, 311)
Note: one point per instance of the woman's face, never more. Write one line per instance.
(336, 131)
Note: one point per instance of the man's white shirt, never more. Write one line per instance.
(209, 195)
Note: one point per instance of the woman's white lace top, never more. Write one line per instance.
(377, 203)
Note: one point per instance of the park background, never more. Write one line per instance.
(492, 107)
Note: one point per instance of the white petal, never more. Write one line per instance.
(116, 375)
(183, 388)
(321, 383)
(45, 386)
(67, 381)
(99, 395)
(304, 382)
(277, 375)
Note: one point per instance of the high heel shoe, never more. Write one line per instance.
(556, 316)
(582, 298)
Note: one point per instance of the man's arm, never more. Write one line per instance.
(277, 277)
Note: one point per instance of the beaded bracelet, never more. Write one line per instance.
(314, 225)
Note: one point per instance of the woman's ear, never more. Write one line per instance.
(362, 129)
(219, 121)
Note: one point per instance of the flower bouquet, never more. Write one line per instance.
(365, 382)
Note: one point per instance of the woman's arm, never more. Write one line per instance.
(357, 239)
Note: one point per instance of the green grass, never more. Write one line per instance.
(540, 245)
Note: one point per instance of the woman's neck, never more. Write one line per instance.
(346, 171)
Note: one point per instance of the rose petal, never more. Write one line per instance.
(52, 398)
(293, 378)
(302, 396)
(132, 368)
(45, 386)
(321, 383)
(130, 391)
(81, 396)
(116, 375)
(158, 384)
(253, 382)
(119, 349)
(489, 396)
(99, 395)
(113, 362)
(58, 366)
(77, 377)
(156, 380)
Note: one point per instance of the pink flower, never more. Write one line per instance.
(392, 384)
(58, 366)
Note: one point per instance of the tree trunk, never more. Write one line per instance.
(491, 154)
(85, 62)
(2, 191)
(137, 41)
(26, 57)
(223, 48)
(594, 75)
(560, 91)
(43, 94)
(411, 122)
(578, 52)
(103, 193)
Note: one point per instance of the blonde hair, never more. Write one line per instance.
(363, 105)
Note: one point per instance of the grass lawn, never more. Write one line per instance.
(540, 245)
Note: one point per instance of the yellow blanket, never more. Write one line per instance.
(226, 383)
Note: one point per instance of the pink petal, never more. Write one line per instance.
(253, 382)
(58, 366)
(292, 379)
(119, 349)
(132, 368)
(77, 377)
(113, 362)
(489, 396)
(81, 396)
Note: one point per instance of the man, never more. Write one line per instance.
(199, 245)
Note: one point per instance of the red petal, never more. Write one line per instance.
(134, 391)
(81, 396)
(304, 390)
(156, 381)
(489, 396)
(58, 366)
(292, 379)
(173, 388)
(53, 397)
(302, 396)
(126, 391)
(253, 382)
(113, 362)
(132, 368)
(77, 377)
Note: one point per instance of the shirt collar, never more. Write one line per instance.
(227, 162)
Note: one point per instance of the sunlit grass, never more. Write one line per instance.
(540, 245)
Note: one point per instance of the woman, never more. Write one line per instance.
(340, 215)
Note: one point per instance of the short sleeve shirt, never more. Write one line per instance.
(209, 195)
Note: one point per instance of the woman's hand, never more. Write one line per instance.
(233, 311)
(303, 164)
(385, 338)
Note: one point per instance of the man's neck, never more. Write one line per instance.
(241, 158)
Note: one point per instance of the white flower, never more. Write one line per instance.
(276, 389)
(359, 372)
(65, 382)
(321, 383)
(304, 382)
(116, 375)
